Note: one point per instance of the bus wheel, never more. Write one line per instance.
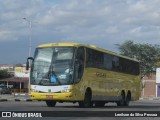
(128, 98)
(122, 101)
(99, 104)
(51, 103)
(87, 100)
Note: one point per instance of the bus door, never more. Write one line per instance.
(79, 70)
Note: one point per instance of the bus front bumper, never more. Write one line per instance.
(67, 96)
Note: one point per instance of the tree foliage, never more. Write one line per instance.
(147, 54)
(5, 74)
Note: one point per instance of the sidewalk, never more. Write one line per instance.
(15, 97)
(150, 98)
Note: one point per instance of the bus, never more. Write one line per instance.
(91, 76)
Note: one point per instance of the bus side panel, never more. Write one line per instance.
(107, 85)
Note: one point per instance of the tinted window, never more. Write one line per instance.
(102, 60)
(108, 61)
(94, 58)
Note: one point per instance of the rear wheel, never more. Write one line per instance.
(51, 103)
(128, 98)
(87, 100)
(122, 101)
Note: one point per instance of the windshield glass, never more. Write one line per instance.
(53, 66)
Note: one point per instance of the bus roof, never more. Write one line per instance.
(85, 45)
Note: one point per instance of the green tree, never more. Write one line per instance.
(147, 54)
(5, 74)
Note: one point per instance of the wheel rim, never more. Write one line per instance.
(127, 100)
(122, 101)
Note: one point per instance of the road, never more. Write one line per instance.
(141, 105)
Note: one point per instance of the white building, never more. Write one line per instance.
(20, 71)
(8, 67)
(158, 82)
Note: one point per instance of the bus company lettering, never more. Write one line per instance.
(98, 74)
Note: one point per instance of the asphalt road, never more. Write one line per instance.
(138, 106)
(141, 105)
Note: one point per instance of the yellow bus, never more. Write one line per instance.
(91, 76)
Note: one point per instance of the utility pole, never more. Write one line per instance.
(30, 46)
(30, 35)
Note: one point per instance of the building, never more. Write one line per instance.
(149, 86)
(21, 73)
(8, 67)
(158, 82)
(20, 80)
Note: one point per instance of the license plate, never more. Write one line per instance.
(49, 96)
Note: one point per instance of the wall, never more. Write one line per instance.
(21, 72)
(149, 86)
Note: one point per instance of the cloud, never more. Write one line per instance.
(99, 22)
(104, 19)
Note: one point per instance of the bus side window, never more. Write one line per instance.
(79, 63)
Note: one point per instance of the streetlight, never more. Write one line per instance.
(30, 45)
(30, 35)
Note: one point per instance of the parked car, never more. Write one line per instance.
(4, 90)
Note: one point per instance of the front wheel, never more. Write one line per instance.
(87, 100)
(51, 103)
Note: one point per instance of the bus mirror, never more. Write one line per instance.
(27, 63)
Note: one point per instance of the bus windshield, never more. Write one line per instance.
(53, 66)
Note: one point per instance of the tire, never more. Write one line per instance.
(51, 103)
(99, 104)
(128, 98)
(86, 103)
(122, 101)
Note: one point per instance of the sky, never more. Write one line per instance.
(103, 23)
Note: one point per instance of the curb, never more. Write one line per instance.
(3, 100)
(149, 98)
(27, 100)
(21, 94)
(17, 100)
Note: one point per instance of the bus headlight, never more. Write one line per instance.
(66, 90)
